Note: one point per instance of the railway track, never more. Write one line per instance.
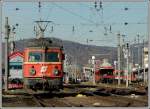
(88, 98)
(52, 99)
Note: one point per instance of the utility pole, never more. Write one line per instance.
(148, 73)
(138, 55)
(132, 55)
(7, 32)
(129, 65)
(119, 58)
(127, 73)
(93, 60)
(87, 41)
(138, 36)
(75, 69)
(143, 66)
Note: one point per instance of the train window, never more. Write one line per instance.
(35, 57)
(52, 57)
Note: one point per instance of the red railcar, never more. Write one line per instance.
(43, 65)
(110, 75)
(104, 74)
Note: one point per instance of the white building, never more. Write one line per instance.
(15, 65)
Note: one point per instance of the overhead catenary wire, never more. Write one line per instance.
(73, 13)
(93, 23)
(88, 20)
(93, 10)
(50, 11)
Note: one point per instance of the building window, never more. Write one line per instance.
(15, 66)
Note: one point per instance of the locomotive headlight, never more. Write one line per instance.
(32, 71)
(55, 71)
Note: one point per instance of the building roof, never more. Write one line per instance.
(15, 54)
(106, 64)
(106, 67)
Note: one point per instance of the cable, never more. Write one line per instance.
(50, 9)
(77, 15)
(91, 21)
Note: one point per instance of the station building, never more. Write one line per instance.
(15, 65)
(15, 77)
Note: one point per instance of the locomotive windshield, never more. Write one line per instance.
(52, 57)
(39, 57)
(35, 57)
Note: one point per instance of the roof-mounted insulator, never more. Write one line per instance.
(39, 6)
(100, 5)
(95, 4)
(127, 45)
(126, 23)
(17, 24)
(13, 28)
(105, 28)
(73, 28)
(110, 29)
(17, 9)
(105, 31)
(125, 8)
(34, 29)
(52, 29)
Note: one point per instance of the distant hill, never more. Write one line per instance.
(83, 52)
(80, 52)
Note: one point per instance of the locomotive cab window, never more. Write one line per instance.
(52, 57)
(35, 57)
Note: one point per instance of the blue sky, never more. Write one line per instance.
(88, 23)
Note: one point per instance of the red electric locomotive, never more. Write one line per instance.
(43, 65)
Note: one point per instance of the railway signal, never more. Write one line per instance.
(7, 33)
(127, 73)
